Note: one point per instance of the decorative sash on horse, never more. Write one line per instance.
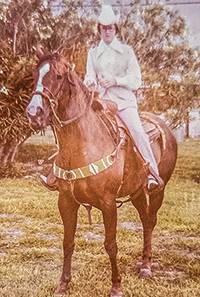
(88, 170)
(91, 169)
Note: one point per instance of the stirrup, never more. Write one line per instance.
(155, 184)
(45, 182)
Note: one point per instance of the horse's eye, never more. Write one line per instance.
(59, 76)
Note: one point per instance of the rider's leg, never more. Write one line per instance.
(131, 118)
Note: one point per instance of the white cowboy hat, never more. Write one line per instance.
(107, 16)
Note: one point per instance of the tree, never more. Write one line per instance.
(23, 25)
(170, 68)
(16, 80)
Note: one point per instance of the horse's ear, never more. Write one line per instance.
(39, 51)
(66, 52)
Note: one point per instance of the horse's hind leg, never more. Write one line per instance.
(109, 211)
(149, 219)
(68, 210)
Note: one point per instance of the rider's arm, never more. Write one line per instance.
(132, 79)
(90, 76)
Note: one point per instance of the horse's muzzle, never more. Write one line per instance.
(35, 116)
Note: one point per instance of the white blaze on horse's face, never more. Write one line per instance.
(36, 100)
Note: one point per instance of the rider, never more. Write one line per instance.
(113, 70)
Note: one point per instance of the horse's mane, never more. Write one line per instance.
(81, 85)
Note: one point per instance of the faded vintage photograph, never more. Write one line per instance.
(99, 148)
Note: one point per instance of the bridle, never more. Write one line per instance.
(53, 101)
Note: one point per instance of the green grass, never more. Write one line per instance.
(31, 241)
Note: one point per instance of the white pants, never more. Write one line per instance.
(131, 118)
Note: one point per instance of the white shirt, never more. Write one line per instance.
(115, 60)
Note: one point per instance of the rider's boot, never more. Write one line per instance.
(155, 182)
(49, 181)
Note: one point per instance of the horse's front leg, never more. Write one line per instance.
(109, 211)
(149, 220)
(68, 210)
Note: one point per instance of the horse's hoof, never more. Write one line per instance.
(138, 266)
(116, 293)
(145, 273)
(61, 289)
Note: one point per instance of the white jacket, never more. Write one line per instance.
(118, 61)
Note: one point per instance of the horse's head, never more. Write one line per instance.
(51, 80)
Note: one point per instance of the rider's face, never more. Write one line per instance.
(107, 33)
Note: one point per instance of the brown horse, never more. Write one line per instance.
(92, 168)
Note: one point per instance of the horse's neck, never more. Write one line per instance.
(73, 100)
(85, 138)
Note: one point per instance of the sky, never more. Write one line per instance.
(191, 12)
(189, 9)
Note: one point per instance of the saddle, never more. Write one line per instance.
(107, 110)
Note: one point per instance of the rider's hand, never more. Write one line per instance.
(107, 83)
(91, 85)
